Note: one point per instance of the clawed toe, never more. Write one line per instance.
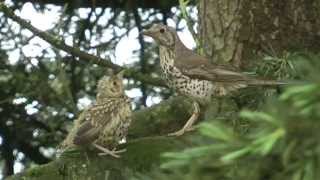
(182, 131)
(177, 133)
(189, 125)
(105, 151)
(114, 153)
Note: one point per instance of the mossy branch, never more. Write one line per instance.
(142, 153)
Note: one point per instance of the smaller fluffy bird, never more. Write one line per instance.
(106, 122)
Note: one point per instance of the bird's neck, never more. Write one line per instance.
(179, 46)
(180, 50)
(109, 98)
(168, 54)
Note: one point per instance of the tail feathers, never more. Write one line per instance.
(261, 82)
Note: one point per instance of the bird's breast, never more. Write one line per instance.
(178, 81)
(116, 126)
(167, 64)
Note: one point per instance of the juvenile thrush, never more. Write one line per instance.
(106, 122)
(193, 75)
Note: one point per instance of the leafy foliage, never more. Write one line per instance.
(281, 143)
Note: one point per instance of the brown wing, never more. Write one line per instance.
(98, 116)
(196, 66)
(86, 134)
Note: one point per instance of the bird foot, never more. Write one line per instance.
(114, 153)
(189, 125)
(182, 131)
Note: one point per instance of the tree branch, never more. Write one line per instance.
(59, 44)
(141, 156)
(7, 155)
(142, 153)
(144, 4)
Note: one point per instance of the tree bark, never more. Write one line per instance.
(234, 31)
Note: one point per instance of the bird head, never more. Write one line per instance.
(162, 34)
(111, 86)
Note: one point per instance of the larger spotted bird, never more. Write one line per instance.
(106, 122)
(193, 75)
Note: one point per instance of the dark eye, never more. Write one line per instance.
(162, 30)
(115, 83)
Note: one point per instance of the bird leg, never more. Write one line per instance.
(189, 124)
(105, 151)
(113, 151)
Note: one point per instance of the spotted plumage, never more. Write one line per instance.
(181, 83)
(106, 122)
(193, 75)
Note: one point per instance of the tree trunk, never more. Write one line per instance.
(234, 31)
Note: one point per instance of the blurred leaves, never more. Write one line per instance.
(300, 98)
(281, 143)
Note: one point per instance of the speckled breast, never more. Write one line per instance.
(118, 127)
(179, 82)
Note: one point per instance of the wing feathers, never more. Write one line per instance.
(198, 67)
(98, 116)
(86, 134)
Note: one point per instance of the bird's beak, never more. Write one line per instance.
(121, 73)
(147, 33)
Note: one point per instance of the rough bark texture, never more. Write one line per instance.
(219, 29)
(232, 31)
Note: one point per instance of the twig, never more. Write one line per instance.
(59, 44)
(183, 7)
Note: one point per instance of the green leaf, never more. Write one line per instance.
(297, 175)
(217, 131)
(291, 92)
(235, 155)
(287, 153)
(268, 145)
(174, 164)
(194, 152)
(309, 171)
(258, 116)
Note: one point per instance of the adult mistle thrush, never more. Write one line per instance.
(193, 75)
(106, 122)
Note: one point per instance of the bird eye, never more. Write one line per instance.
(162, 30)
(114, 83)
